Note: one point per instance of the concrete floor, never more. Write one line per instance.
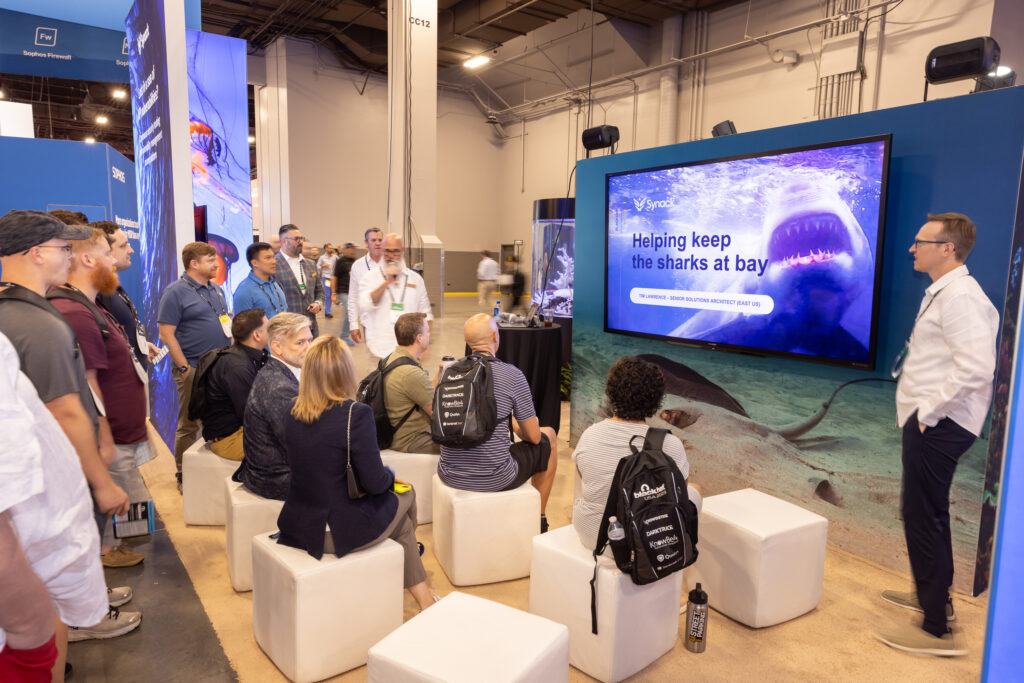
(833, 642)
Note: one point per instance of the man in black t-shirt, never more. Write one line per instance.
(342, 275)
(119, 304)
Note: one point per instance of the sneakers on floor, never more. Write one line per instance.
(119, 595)
(115, 624)
(908, 600)
(912, 639)
(543, 523)
(121, 557)
(349, 342)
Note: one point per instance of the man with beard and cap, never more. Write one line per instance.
(115, 376)
(34, 255)
(119, 303)
(194, 318)
(385, 293)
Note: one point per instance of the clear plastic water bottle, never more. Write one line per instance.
(617, 539)
(695, 636)
(497, 308)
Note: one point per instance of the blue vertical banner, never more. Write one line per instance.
(218, 107)
(147, 67)
(124, 210)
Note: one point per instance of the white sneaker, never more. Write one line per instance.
(119, 595)
(115, 624)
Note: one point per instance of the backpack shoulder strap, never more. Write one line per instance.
(78, 297)
(384, 370)
(655, 439)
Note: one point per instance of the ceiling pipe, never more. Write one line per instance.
(521, 111)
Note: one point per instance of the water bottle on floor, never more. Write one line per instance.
(695, 636)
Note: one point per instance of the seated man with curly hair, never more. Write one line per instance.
(634, 389)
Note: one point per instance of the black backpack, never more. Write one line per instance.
(648, 496)
(201, 381)
(371, 392)
(465, 412)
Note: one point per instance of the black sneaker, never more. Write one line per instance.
(543, 523)
(420, 546)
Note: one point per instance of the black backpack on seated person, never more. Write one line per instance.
(648, 496)
(371, 392)
(465, 412)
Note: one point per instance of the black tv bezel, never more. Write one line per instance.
(871, 362)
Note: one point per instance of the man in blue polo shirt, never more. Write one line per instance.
(194, 318)
(260, 289)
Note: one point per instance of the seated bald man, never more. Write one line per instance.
(496, 464)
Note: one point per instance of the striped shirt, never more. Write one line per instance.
(489, 466)
(597, 454)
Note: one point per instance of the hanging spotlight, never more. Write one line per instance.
(89, 140)
(119, 94)
(476, 62)
(252, 139)
(1001, 77)
(102, 120)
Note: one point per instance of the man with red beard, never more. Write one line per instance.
(112, 370)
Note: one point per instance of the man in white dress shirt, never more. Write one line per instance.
(942, 400)
(372, 259)
(385, 293)
(486, 280)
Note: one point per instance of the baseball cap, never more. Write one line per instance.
(22, 230)
(349, 245)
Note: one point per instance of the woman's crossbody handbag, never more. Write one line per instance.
(355, 491)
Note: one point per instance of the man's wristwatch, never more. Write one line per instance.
(183, 369)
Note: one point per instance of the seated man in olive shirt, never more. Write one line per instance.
(229, 380)
(408, 387)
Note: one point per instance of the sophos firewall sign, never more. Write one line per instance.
(46, 37)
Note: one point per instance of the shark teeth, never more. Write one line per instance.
(813, 256)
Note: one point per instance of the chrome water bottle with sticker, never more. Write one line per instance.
(696, 633)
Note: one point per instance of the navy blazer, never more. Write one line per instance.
(264, 469)
(318, 494)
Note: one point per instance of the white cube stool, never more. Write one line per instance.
(484, 537)
(318, 618)
(248, 515)
(418, 469)
(761, 559)
(202, 485)
(466, 638)
(635, 624)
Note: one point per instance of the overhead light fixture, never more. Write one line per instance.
(89, 140)
(252, 139)
(1, 94)
(119, 94)
(102, 120)
(965, 59)
(600, 137)
(1000, 77)
(476, 62)
(726, 127)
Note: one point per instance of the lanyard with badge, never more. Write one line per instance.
(223, 317)
(901, 357)
(276, 303)
(140, 331)
(397, 307)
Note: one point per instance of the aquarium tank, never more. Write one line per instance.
(554, 227)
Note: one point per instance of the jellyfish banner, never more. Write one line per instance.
(218, 109)
(775, 253)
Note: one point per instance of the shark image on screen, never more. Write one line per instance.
(775, 254)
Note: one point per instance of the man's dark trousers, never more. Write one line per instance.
(929, 461)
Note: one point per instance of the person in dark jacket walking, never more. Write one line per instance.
(324, 430)
(342, 277)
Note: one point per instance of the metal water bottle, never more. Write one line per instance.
(695, 637)
(447, 362)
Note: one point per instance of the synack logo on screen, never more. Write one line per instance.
(775, 253)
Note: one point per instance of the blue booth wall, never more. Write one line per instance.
(60, 174)
(960, 154)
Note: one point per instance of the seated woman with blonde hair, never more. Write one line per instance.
(325, 429)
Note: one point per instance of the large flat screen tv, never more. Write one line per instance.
(775, 253)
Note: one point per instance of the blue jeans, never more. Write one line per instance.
(343, 312)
